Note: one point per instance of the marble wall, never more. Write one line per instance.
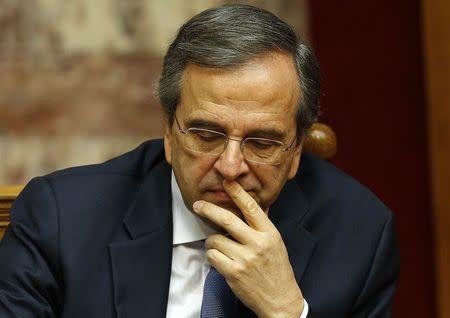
(77, 77)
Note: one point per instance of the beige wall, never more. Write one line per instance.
(78, 76)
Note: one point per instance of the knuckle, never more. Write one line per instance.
(251, 259)
(239, 269)
(236, 193)
(213, 241)
(252, 206)
(212, 238)
(209, 242)
(211, 254)
(261, 248)
(228, 219)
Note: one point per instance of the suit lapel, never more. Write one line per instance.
(141, 266)
(287, 214)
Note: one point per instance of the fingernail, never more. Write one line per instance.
(198, 205)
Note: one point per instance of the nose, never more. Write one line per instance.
(231, 163)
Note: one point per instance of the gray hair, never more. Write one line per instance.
(228, 37)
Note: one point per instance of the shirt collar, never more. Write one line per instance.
(187, 227)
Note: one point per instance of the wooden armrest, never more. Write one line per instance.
(7, 196)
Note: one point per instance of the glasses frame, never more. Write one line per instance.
(242, 142)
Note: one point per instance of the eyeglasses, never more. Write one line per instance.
(214, 143)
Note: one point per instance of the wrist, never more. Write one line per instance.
(290, 309)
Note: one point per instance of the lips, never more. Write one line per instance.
(220, 189)
(220, 195)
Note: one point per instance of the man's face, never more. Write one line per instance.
(258, 99)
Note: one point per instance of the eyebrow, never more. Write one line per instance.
(202, 123)
(270, 133)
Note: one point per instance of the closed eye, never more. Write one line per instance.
(262, 143)
(206, 135)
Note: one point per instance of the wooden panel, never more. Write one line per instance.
(373, 96)
(7, 195)
(436, 15)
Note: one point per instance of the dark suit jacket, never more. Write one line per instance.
(95, 241)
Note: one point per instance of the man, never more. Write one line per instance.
(157, 232)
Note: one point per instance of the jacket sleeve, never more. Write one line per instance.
(30, 278)
(375, 299)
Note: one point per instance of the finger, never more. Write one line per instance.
(253, 214)
(225, 219)
(219, 261)
(225, 245)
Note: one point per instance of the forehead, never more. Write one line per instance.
(264, 91)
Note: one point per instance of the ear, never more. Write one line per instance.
(168, 141)
(296, 160)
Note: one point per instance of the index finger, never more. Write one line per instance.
(253, 214)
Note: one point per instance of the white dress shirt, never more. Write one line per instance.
(189, 263)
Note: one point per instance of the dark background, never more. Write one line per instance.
(373, 96)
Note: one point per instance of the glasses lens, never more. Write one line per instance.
(258, 150)
(262, 150)
(205, 141)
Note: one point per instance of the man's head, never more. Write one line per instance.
(242, 72)
(229, 36)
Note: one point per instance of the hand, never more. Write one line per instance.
(255, 262)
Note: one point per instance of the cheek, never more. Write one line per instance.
(272, 180)
(191, 168)
(268, 180)
(271, 177)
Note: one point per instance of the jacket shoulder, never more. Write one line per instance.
(356, 256)
(98, 190)
(329, 189)
(135, 163)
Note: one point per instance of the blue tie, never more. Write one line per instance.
(218, 298)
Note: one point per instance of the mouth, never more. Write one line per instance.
(218, 195)
(222, 199)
